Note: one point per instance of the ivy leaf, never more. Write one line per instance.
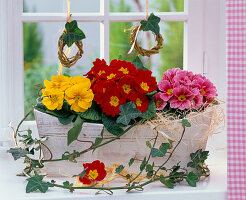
(167, 183)
(192, 179)
(73, 33)
(185, 123)
(119, 169)
(128, 112)
(36, 183)
(67, 184)
(161, 151)
(138, 63)
(148, 144)
(131, 161)
(98, 141)
(149, 168)
(151, 110)
(91, 114)
(74, 132)
(66, 120)
(152, 24)
(111, 125)
(17, 152)
(143, 164)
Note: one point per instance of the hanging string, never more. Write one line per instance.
(68, 50)
(138, 29)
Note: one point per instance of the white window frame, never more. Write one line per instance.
(11, 46)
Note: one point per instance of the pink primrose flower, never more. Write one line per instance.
(183, 78)
(167, 89)
(159, 102)
(170, 73)
(182, 98)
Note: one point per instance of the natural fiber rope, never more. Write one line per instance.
(63, 57)
(144, 52)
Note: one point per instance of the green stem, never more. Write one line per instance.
(94, 147)
(170, 155)
(17, 129)
(146, 161)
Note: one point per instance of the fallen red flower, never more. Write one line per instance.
(95, 171)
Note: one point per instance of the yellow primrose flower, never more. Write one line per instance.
(53, 99)
(79, 79)
(59, 82)
(80, 96)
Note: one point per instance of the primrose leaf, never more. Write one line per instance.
(111, 125)
(74, 132)
(36, 183)
(91, 114)
(128, 112)
(66, 120)
(152, 24)
(138, 63)
(17, 152)
(151, 110)
(73, 33)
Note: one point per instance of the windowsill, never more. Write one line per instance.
(13, 187)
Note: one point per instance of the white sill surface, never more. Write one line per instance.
(13, 187)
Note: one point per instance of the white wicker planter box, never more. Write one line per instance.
(130, 145)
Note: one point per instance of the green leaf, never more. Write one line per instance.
(66, 74)
(128, 112)
(17, 152)
(67, 184)
(66, 120)
(119, 169)
(161, 151)
(131, 161)
(111, 125)
(167, 183)
(185, 123)
(98, 141)
(149, 174)
(151, 110)
(73, 33)
(149, 168)
(138, 63)
(128, 176)
(74, 132)
(151, 93)
(36, 183)
(148, 144)
(143, 164)
(192, 179)
(152, 24)
(91, 114)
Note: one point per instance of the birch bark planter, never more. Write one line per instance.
(130, 145)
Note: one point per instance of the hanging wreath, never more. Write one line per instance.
(71, 34)
(151, 24)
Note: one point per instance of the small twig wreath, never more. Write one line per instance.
(151, 24)
(65, 61)
(145, 52)
(71, 34)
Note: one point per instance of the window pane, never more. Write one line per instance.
(140, 5)
(58, 6)
(169, 57)
(40, 55)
